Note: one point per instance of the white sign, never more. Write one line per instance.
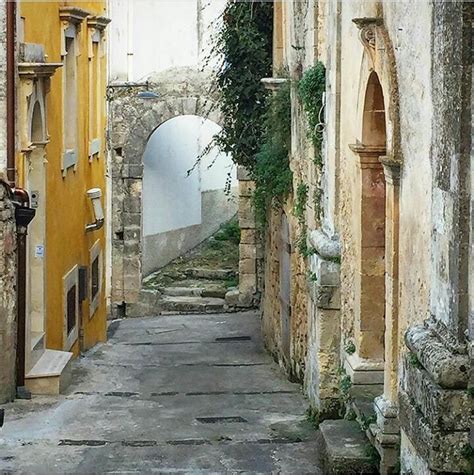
(39, 251)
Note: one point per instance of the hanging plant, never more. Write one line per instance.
(272, 175)
(244, 41)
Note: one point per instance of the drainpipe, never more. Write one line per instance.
(23, 216)
(11, 96)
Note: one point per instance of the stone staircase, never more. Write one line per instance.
(196, 290)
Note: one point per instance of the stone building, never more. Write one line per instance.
(377, 320)
(169, 190)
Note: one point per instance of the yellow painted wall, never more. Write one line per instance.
(68, 209)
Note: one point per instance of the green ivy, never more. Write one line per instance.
(311, 88)
(272, 175)
(244, 41)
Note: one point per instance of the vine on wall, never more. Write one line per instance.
(311, 88)
(272, 175)
(244, 41)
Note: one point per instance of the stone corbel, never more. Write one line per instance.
(325, 267)
(368, 155)
(368, 34)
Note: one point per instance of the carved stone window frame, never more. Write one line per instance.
(71, 18)
(96, 26)
(96, 253)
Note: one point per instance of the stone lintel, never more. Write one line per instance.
(441, 450)
(98, 22)
(445, 368)
(73, 15)
(367, 21)
(273, 84)
(37, 70)
(444, 409)
(363, 371)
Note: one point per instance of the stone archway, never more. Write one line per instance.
(378, 156)
(182, 91)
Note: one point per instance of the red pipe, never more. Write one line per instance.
(11, 96)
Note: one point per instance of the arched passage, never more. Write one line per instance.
(184, 198)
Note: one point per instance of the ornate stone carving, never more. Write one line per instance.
(368, 34)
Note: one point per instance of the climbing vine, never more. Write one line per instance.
(272, 175)
(311, 88)
(244, 41)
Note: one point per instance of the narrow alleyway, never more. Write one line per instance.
(171, 394)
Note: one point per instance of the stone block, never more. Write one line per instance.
(246, 189)
(243, 174)
(247, 283)
(232, 298)
(449, 409)
(248, 236)
(247, 266)
(247, 251)
(442, 450)
(345, 448)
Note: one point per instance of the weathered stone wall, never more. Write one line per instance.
(421, 53)
(7, 296)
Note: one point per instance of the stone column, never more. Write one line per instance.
(365, 366)
(386, 410)
(249, 248)
(324, 333)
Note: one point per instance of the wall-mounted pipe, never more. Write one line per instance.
(11, 90)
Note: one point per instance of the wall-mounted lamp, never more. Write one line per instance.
(95, 195)
(148, 95)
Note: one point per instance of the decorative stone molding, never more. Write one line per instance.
(98, 22)
(449, 370)
(273, 84)
(326, 247)
(73, 15)
(37, 70)
(368, 33)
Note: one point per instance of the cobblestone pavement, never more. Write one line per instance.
(174, 394)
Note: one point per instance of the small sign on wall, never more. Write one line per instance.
(39, 251)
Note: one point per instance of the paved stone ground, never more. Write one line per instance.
(175, 394)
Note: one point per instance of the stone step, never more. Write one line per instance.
(210, 274)
(346, 448)
(51, 374)
(191, 304)
(210, 291)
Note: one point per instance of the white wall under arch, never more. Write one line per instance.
(181, 209)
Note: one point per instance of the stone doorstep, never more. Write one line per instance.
(51, 374)
(345, 448)
(192, 304)
(210, 274)
(362, 371)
